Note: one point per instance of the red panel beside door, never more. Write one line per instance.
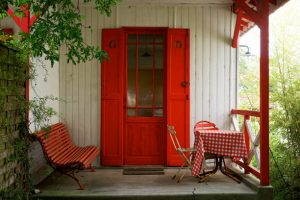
(112, 76)
(178, 107)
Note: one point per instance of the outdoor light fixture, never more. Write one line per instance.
(146, 53)
(245, 46)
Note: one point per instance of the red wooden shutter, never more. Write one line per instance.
(112, 74)
(178, 91)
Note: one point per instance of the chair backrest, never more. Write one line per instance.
(206, 125)
(55, 140)
(173, 137)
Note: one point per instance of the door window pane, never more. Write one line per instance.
(131, 76)
(158, 82)
(131, 38)
(158, 113)
(131, 112)
(146, 38)
(144, 112)
(145, 70)
(159, 38)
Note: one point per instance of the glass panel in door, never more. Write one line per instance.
(145, 75)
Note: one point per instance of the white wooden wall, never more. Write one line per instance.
(212, 64)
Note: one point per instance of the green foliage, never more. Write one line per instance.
(59, 23)
(285, 102)
(41, 113)
(249, 82)
(285, 125)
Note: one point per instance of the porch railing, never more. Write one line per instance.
(252, 140)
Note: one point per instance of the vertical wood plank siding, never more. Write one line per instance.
(212, 64)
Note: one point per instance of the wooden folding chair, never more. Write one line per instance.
(184, 153)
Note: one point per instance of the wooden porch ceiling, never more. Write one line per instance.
(245, 22)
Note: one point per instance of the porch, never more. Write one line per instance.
(110, 183)
(81, 108)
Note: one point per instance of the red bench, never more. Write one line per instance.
(63, 155)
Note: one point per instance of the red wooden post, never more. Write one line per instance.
(264, 92)
(261, 18)
(23, 22)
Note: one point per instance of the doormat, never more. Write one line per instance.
(143, 171)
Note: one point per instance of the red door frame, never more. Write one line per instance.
(117, 40)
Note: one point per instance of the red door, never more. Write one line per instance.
(145, 98)
(145, 85)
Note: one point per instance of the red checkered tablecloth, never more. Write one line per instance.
(221, 142)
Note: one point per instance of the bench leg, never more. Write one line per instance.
(72, 175)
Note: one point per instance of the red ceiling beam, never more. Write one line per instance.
(243, 23)
(249, 11)
(247, 17)
(8, 31)
(24, 22)
(244, 11)
(237, 29)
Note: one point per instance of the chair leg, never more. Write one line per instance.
(176, 174)
(226, 172)
(181, 177)
(92, 168)
(212, 171)
(184, 165)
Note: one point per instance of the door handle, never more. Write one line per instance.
(184, 84)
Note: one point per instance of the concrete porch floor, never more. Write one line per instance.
(112, 184)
